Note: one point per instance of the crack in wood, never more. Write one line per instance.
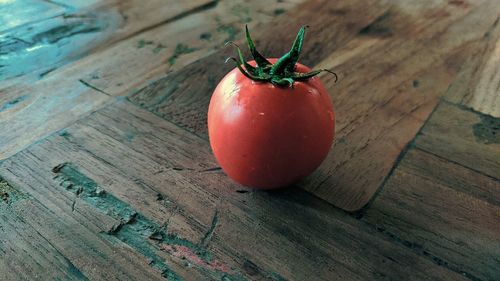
(208, 236)
(419, 249)
(92, 87)
(136, 230)
(198, 9)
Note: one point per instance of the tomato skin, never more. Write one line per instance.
(265, 136)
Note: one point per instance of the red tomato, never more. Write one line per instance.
(267, 136)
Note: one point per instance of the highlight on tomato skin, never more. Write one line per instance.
(270, 121)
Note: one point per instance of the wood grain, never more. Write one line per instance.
(30, 110)
(26, 254)
(46, 44)
(394, 61)
(477, 83)
(17, 12)
(467, 138)
(81, 248)
(135, 157)
(454, 221)
(183, 96)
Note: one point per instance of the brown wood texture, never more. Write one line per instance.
(255, 234)
(32, 110)
(106, 172)
(394, 61)
(437, 206)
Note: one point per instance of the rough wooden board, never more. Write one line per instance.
(83, 246)
(467, 138)
(18, 12)
(377, 119)
(183, 96)
(444, 172)
(134, 62)
(134, 155)
(406, 57)
(26, 255)
(29, 111)
(44, 45)
(477, 83)
(443, 219)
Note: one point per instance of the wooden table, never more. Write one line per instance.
(106, 172)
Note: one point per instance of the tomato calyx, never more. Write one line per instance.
(282, 73)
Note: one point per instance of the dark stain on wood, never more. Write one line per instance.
(279, 11)
(12, 103)
(180, 49)
(227, 28)
(65, 134)
(379, 27)
(487, 130)
(206, 36)
(134, 229)
(9, 194)
(459, 3)
(83, 25)
(141, 43)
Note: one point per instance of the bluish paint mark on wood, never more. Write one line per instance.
(12, 103)
(487, 130)
(134, 229)
(10, 195)
(46, 44)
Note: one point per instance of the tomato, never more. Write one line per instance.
(269, 135)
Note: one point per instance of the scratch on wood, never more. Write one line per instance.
(214, 169)
(208, 236)
(93, 87)
(136, 230)
(421, 250)
(43, 74)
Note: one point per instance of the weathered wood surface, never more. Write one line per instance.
(447, 209)
(477, 85)
(394, 61)
(31, 110)
(135, 194)
(251, 235)
(46, 43)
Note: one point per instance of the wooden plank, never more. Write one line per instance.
(44, 45)
(467, 138)
(85, 252)
(477, 84)
(147, 164)
(26, 255)
(407, 55)
(29, 111)
(19, 12)
(134, 62)
(192, 85)
(448, 219)
(441, 171)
